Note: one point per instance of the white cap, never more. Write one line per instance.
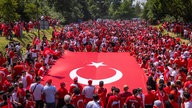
(158, 103)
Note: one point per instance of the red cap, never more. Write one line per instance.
(75, 79)
(62, 83)
(90, 82)
(49, 81)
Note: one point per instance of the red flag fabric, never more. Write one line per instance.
(115, 69)
(3, 73)
(47, 51)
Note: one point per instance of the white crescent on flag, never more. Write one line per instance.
(118, 75)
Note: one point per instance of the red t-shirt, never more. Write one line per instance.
(124, 95)
(188, 85)
(115, 49)
(6, 85)
(77, 101)
(11, 54)
(183, 75)
(174, 104)
(4, 72)
(167, 90)
(133, 102)
(89, 48)
(189, 65)
(102, 95)
(29, 79)
(2, 60)
(62, 92)
(18, 69)
(37, 66)
(114, 102)
(30, 104)
(162, 96)
(149, 98)
(176, 95)
(21, 93)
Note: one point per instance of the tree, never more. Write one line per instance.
(162, 9)
(138, 9)
(8, 10)
(31, 11)
(98, 8)
(70, 9)
(187, 16)
(114, 5)
(125, 11)
(85, 11)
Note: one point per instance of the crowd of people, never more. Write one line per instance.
(183, 29)
(166, 60)
(9, 30)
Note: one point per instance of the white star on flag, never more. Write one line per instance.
(97, 65)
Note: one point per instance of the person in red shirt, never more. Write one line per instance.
(149, 98)
(181, 74)
(175, 92)
(102, 94)
(2, 59)
(104, 49)
(21, 93)
(161, 94)
(188, 84)
(30, 75)
(141, 96)
(171, 103)
(167, 89)
(110, 93)
(60, 95)
(115, 100)
(3, 72)
(7, 83)
(11, 56)
(18, 68)
(29, 101)
(189, 65)
(37, 65)
(42, 71)
(77, 99)
(133, 101)
(89, 47)
(75, 84)
(125, 94)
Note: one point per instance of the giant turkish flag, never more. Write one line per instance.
(115, 69)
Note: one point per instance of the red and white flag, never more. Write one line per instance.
(115, 69)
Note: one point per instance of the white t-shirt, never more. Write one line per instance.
(93, 104)
(17, 47)
(188, 104)
(24, 81)
(38, 90)
(13, 98)
(88, 91)
(181, 92)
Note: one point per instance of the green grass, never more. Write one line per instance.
(173, 34)
(25, 39)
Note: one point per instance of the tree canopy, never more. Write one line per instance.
(74, 10)
(166, 10)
